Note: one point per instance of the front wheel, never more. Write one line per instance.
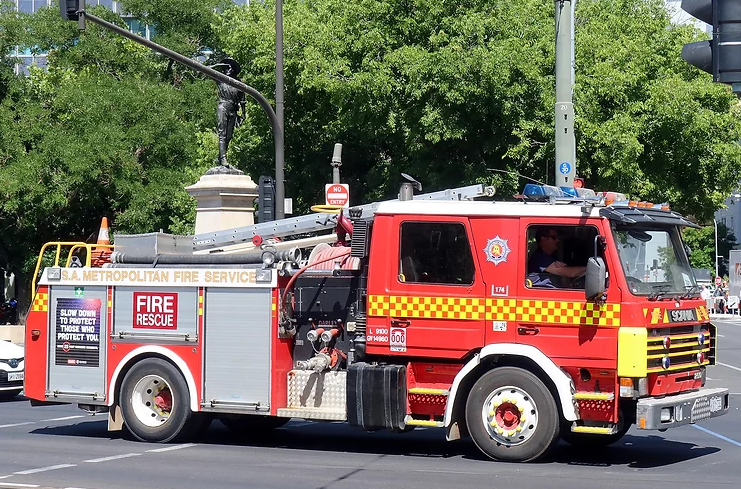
(512, 416)
(154, 402)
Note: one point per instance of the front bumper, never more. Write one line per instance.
(17, 376)
(681, 409)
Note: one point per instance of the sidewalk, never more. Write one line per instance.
(724, 316)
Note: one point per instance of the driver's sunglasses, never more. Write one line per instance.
(552, 236)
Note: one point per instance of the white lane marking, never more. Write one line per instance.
(718, 435)
(16, 424)
(11, 484)
(5, 476)
(176, 447)
(721, 336)
(60, 419)
(44, 469)
(112, 457)
(729, 366)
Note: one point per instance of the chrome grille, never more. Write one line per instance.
(677, 348)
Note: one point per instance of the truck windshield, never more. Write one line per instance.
(654, 260)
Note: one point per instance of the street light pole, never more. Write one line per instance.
(565, 142)
(715, 225)
(280, 192)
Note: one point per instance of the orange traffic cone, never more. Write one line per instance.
(101, 255)
(103, 238)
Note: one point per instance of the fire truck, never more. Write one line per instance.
(423, 311)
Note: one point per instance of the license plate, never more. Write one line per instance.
(15, 376)
(716, 404)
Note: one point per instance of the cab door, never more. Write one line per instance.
(433, 304)
(558, 319)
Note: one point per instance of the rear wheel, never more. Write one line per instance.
(154, 402)
(512, 416)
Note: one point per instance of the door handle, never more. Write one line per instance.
(400, 323)
(528, 331)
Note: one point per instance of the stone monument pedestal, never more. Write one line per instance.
(225, 201)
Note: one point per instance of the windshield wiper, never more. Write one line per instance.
(690, 292)
(659, 291)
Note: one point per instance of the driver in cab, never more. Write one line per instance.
(543, 270)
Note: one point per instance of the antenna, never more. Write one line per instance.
(518, 174)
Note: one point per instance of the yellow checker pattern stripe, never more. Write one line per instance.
(480, 308)
(40, 303)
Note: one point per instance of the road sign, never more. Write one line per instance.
(337, 194)
(564, 168)
(717, 280)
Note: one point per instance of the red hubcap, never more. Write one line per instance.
(163, 400)
(507, 416)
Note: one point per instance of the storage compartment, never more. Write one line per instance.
(376, 396)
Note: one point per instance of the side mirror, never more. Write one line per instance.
(594, 281)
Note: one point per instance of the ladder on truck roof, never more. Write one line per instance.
(319, 221)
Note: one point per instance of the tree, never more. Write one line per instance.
(447, 90)
(103, 132)
(647, 122)
(441, 90)
(702, 244)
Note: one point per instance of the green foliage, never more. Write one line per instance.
(648, 123)
(702, 244)
(444, 91)
(439, 90)
(106, 131)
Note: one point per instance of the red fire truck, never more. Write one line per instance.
(423, 311)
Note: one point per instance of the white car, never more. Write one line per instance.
(12, 369)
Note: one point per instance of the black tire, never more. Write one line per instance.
(136, 407)
(252, 424)
(538, 423)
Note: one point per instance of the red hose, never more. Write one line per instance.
(302, 270)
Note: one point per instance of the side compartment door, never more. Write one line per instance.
(434, 304)
(237, 347)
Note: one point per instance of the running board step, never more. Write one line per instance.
(428, 391)
(594, 396)
(594, 430)
(409, 421)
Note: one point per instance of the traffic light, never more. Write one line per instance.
(720, 56)
(266, 199)
(68, 9)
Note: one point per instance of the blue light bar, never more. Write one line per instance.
(533, 190)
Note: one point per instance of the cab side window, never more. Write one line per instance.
(557, 255)
(435, 252)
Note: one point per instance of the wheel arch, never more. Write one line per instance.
(506, 355)
(142, 353)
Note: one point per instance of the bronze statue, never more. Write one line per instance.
(230, 101)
